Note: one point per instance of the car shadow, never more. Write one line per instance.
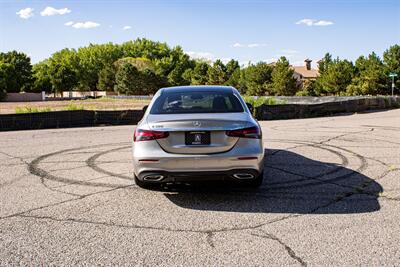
(292, 184)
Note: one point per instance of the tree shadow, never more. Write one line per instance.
(292, 184)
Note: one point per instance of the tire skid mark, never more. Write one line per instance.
(33, 168)
(311, 179)
(344, 162)
(91, 162)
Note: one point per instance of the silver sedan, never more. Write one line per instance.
(197, 133)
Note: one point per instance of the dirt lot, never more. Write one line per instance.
(89, 104)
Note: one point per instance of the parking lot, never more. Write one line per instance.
(331, 196)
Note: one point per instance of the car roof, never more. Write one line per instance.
(178, 89)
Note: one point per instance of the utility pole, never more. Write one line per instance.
(393, 75)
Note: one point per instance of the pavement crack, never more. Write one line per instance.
(62, 202)
(288, 249)
(210, 241)
(15, 157)
(342, 135)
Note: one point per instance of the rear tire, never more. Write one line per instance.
(256, 182)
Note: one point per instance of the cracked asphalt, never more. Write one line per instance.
(331, 196)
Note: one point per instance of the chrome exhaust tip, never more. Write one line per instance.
(243, 176)
(153, 177)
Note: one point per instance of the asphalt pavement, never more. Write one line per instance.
(331, 196)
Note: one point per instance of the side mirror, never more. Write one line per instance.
(145, 108)
(250, 107)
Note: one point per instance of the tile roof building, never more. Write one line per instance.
(302, 73)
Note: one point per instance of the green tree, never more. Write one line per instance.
(283, 82)
(199, 76)
(149, 80)
(62, 78)
(370, 78)
(16, 70)
(256, 79)
(41, 76)
(181, 63)
(232, 73)
(308, 89)
(335, 76)
(142, 47)
(234, 79)
(3, 79)
(140, 63)
(391, 58)
(107, 78)
(63, 70)
(91, 60)
(324, 63)
(3, 94)
(152, 81)
(129, 80)
(231, 67)
(217, 73)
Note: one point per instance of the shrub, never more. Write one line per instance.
(72, 107)
(256, 102)
(23, 110)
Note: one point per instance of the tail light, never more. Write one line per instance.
(146, 135)
(252, 132)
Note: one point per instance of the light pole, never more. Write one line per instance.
(393, 75)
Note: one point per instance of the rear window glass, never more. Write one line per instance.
(196, 102)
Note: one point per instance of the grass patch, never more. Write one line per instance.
(256, 102)
(24, 110)
(72, 107)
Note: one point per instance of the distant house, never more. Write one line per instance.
(303, 73)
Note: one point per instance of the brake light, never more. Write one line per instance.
(252, 132)
(146, 135)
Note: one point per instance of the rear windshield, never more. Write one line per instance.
(196, 102)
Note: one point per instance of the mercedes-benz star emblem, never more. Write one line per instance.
(196, 123)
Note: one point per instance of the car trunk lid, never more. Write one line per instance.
(182, 127)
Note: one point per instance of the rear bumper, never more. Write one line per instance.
(230, 175)
(247, 154)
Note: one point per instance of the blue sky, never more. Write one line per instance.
(245, 30)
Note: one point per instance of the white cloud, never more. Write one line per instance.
(51, 11)
(25, 13)
(238, 45)
(83, 25)
(253, 45)
(201, 55)
(127, 27)
(314, 22)
(323, 23)
(308, 22)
